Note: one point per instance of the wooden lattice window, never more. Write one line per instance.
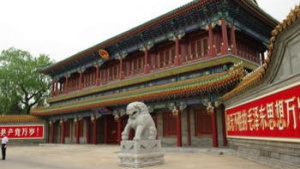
(166, 57)
(199, 47)
(169, 124)
(202, 122)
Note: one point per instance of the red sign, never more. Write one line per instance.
(274, 116)
(23, 131)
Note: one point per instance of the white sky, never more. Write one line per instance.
(62, 28)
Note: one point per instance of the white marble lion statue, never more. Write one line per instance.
(141, 121)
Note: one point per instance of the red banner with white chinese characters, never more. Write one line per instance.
(275, 116)
(23, 131)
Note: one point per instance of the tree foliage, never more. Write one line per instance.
(21, 85)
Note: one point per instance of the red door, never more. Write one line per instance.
(112, 130)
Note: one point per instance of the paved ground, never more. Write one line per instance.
(105, 157)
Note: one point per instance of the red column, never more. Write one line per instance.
(95, 131)
(104, 78)
(119, 120)
(177, 52)
(105, 130)
(88, 80)
(178, 129)
(51, 132)
(189, 127)
(66, 84)
(211, 48)
(121, 68)
(62, 138)
(97, 75)
(224, 37)
(214, 133)
(88, 131)
(146, 65)
(224, 127)
(57, 88)
(53, 88)
(80, 80)
(233, 40)
(77, 131)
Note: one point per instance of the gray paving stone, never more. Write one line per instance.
(57, 156)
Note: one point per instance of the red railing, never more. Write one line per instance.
(159, 67)
(248, 56)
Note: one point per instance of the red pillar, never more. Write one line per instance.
(214, 132)
(121, 68)
(88, 131)
(97, 75)
(77, 131)
(80, 80)
(211, 49)
(177, 52)
(62, 138)
(224, 127)
(146, 65)
(95, 131)
(233, 40)
(51, 132)
(66, 85)
(105, 130)
(53, 88)
(189, 127)
(178, 129)
(224, 37)
(90, 79)
(104, 75)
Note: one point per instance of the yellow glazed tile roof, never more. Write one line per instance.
(19, 118)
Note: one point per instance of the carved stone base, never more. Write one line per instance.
(140, 153)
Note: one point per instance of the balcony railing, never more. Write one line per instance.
(248, 56)
(186, 59)
(195, 57)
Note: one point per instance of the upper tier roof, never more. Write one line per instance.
(186, 18)
(19, 118)
(254, 1)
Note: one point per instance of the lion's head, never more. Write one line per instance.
(134, 109)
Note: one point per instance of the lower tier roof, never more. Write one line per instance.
(190, 87)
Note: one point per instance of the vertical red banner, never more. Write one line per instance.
(23, 131)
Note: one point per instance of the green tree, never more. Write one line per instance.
(21, 85)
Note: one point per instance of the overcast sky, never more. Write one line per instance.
(62, 28)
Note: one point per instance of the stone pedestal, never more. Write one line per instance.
(140, 153)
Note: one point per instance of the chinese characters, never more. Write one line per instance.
(276, 115)
(23, 131)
